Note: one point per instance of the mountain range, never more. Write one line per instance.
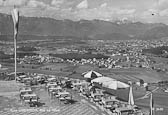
(82, 29)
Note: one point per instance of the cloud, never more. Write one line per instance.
(1, 2)
(83, 4)
(35, 3)
(14, 2)
(153, 13)
(149, 16)
(57, 3)
(159, 8)
(103, 5)
(90, 9)
(104, 13)
(163, 12)
(148, 13)
(162, 4)
(125, 11)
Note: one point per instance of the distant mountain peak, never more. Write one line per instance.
(83, 29)
(123, 21)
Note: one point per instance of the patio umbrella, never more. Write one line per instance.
(122, 85)
(102, 79)
(114, 84)
(92, 74)
(84, 73)
(110, 83)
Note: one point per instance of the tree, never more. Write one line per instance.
(141, 81)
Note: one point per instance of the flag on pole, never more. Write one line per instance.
(15, 17)
(131, 98)
(151, 104)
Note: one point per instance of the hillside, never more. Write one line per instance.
(83, 29)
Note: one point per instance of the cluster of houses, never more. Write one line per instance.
(122, 54)
(39, 59)
(115, 61)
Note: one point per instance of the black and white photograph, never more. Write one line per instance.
(83, 57)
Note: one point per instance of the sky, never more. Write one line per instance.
(148, 11)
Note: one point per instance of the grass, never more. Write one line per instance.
(156, 51)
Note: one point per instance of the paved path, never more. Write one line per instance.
(76, 109)
(52, 107)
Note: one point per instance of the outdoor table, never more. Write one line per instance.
(108, 106)
(106, 101)
(96, 99)
(96, 94)
(30, 95)
(34, 104)
(26, 79)
(68, 98)
(62, 95)
(77, 84)
(51, 79)
(54, 90)
(25, 90)
(51, 84)
(27, 97)
(100, 103)
(124, 109)
(84, 93)
(75, 88)
(22, 76)
(38, 78)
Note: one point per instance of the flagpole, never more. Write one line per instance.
(151, 108)
(15, 17)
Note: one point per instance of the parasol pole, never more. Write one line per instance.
(15, 48)
(151, 104)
